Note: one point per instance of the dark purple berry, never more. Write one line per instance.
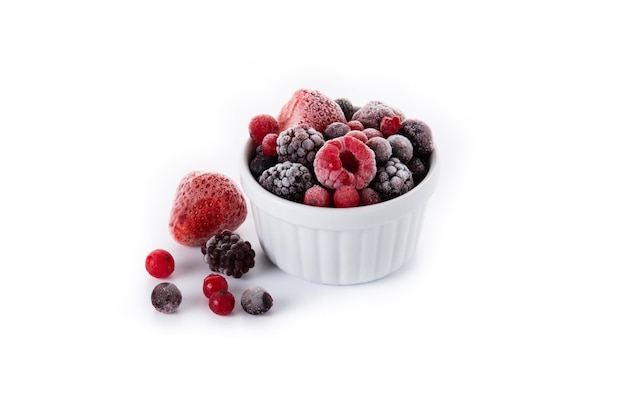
(166, 298)
(418, 168)
(401, 148)
(382, 149)
(420, 136)
(346, 107)
(256, 301)
(335, 130)
(288, 180)
(299, 144)
(229, 254)
(392, 179)
(260, 163)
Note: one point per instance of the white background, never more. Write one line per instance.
(514, 304)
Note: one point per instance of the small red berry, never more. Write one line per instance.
(260, 125)
(355, 125)
(222, 302)
(268, 145)
(160, 263)
(213, 283)
(317, 196)
(390, 125)
(346, 196)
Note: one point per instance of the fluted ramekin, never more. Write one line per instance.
(338, 246)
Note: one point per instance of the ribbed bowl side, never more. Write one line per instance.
(339, 257)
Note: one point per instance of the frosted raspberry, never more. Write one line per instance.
(317, 196)
(382, 149)
(346, 196)
(312, 108)
(268, 145)
(345, 161)
(370, 132)
(372, 113)
(299, 144)
(355, 125)
(368, 197)
(420, 136)
(401, 147)
(336, 129)
(358, 134)
(260, 125)
(390, 125)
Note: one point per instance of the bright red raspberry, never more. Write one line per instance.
(268, 145)
(355, 125)
(346, 196)
(345, 161)
(160, 263)
(390, 125)
(260, 125)
(213, 283)
(317, 196)
(222, 302)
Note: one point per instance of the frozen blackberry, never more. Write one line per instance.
(288, 180)
(346, 107)
(392, 179)
(256, 301)
(260, 163)
(420, 136)
(299, 144)
(228, 254)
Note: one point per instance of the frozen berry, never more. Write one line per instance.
(256, 301)
(346, 107)
(160, 263)
(206, 203)
(358, 134)
(260, 163)
(166, 298)
(355, 125)
(390, 125)
(372, 113)
(287, 180)
(345, 161)
(419, 134)
(229, 254)
(346, 196)
(401, 148)
(222, 302)
(317, 196)
(213, 283)
(381, 148)
(335, 130)
(299, 144)
(312, 108)
(370, 132)
(392, 179)
(368, 197)
(268, 145)
(418, 168)
(260, 125)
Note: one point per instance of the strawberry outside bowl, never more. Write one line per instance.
(338, 246)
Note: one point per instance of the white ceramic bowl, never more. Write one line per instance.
(338, 246)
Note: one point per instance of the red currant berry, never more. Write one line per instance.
(268, 145)
(160, 263)
(222, 302)
(213, 283)
(260, 125)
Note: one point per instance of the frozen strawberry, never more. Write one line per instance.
(312, 108)
(345, 161)
(205, 203)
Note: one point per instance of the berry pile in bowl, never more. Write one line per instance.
(338, 192)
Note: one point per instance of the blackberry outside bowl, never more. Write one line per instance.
(338, 246)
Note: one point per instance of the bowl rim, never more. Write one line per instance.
(333, 218)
